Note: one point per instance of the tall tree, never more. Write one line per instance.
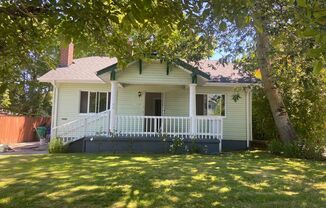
(188, 27)
(248, 26)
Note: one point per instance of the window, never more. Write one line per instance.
(210, 104)
(94, 102)
(102, 106)
(83, 102)
(201, 104)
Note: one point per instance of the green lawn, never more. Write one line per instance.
(249, 179)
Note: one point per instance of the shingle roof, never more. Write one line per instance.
(82, 69)
(85, 69)
(224, 73)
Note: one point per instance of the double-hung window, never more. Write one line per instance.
(94, 102)
(210, 104)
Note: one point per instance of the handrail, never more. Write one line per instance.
(79, 119)
(90, 124)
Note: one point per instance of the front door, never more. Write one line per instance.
(153, 107)
(158, 107)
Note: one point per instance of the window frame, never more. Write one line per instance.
(96, 101)
(225, 104)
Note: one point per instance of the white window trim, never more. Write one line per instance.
(225, 107)
(88, 100)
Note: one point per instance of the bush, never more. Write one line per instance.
(298, 149)
(177, 146)
(275, 147)
(195, 149)
(57, 146)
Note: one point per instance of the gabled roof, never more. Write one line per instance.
(192, 68)
(88, 69)
(224, 73)
(82, 69)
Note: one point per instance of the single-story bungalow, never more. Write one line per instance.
(96, 104)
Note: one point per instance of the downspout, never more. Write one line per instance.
(250, 114)
(54, 109)
(247, 90)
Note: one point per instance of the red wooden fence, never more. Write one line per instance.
(15, 129)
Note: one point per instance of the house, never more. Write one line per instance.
(95, 100)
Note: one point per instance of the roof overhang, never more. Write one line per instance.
(71, 81)
(182, 64)
(192, 69)
(107, 69)
(230, 84)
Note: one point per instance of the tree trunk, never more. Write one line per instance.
(281, 118)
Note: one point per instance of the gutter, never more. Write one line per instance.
(230, 84)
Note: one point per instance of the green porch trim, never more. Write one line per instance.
(167, 68)
(191, 68)
(194, 78)
(140, 66)
(112, 77)
(194, 70)
(110, 68)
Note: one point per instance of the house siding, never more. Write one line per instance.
(174, 88)
(69, 98)
(175, 99)
(153, 73)
(234, 123)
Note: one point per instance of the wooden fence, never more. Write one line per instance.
(15, 129)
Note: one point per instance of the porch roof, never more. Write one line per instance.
(178, 62)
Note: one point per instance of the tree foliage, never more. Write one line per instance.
(128, 30)
(291, 32)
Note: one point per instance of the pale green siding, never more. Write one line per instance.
(69, 98)
(175, 99)
(174, 88)
(153, 73)
(235, 117)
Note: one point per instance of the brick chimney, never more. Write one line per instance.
(66, 55)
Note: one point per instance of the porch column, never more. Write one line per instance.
(192, 109)
(113, 105)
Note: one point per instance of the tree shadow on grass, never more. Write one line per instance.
(249, 179)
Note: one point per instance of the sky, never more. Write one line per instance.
(216, 56)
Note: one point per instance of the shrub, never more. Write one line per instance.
(177, 146)
(313, 150)
(298, 149)
(57, 146)
(275, 147)
(195, 149)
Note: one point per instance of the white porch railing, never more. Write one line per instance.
(152, 125)
(90, 125)
(209, 127)
(206, 127)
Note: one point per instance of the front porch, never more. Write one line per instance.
(156, 121)
(142, 127)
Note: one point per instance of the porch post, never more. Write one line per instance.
(192, 109)
(113, 105)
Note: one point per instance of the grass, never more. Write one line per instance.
(247, 179)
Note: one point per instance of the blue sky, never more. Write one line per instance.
(216, 56)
